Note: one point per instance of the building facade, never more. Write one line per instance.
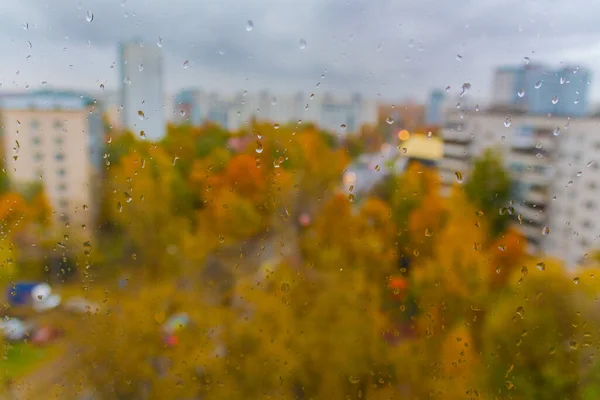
(553, 165)
(142, 97)
(338, 115)
(55, 138)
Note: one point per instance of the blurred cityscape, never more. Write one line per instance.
(201, 195)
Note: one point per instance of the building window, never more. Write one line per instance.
(62, 187)
(61, 172)
(58, 124)
(59, 156)
(63, 203)
(592, 186)
(36, 140)
(35, 124)
(584, 242)
(38, 156)
(59, 140)
(590, 205)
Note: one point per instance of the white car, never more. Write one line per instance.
(14, 328)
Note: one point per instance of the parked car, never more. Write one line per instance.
(15, 329)
(37, 295)
(45, 334)
(79, 305)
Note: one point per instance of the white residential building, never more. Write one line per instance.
(554, 164)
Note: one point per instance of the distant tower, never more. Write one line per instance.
(142, 89)
(434, 109)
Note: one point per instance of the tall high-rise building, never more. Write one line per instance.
(434, 108)
(142, 95)
(56, 139)
(538, 90)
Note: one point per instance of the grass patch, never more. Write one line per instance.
(19, 359)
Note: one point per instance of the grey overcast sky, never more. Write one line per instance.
(391, 49)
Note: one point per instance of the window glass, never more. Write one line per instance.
(340, 199)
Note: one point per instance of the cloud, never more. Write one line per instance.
(380, 48)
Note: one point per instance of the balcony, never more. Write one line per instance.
(449, 177)
(535, 178)
(453, 135)
(453, 165)
(456, 150)
(532, 233)
(529, 214)
(536, 197)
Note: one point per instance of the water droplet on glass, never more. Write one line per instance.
(576, 280)
(182, 113)
(275, 126)
(141, 114)
(573, 344)
(25, 25)
(102, 87)
(389, 120)
(579, 173)
(351, 198)
(221, 239)
(186, 64)
(274, 101)
(477, 107)
(562, 80)
(527, 60)
(465, 88)
(520, 312)
(555, 100)
(259, 147)
(545, 231)
(521, 92)
(302, 44)
(249, 25)
(459, 57)
(343, 127)
(459, 177)
(159, 42)
(89, 16)
(538, 84)
(447, 88)
(141, 67)
(590, 164)
(29, 45)
(541, 266)
(127, 197)
(556, 131)
(143, 134)
(428, 232)
(119, 206)
(508, 122)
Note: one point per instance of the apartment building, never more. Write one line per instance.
(553, 164)
(338, 114)
(55, 138)
(142, 91)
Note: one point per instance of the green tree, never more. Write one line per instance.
(488, 188)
